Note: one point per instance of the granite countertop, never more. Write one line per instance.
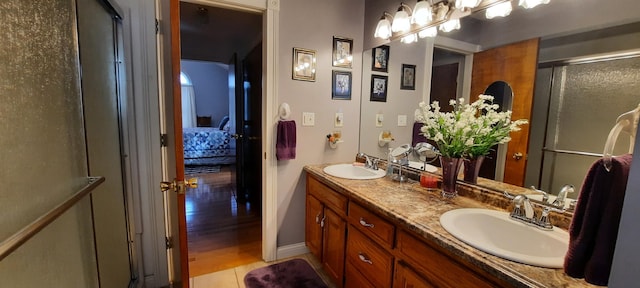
(417, 209)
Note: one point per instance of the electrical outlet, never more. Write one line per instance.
(339, 120)
(402, 120)
(379, 120)
(308, 119)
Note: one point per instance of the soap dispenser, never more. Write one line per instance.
(389, 162)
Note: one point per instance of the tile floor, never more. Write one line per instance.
(234, 277)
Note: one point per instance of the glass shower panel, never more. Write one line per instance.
(42, 147)
(585, 101)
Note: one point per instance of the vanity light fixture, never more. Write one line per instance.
(383, 30)
(426, 17)
(422, 13)
(500, 10)
(402, 21)
(462, 4)
(528, 4)
(429, 32)
(450, 25)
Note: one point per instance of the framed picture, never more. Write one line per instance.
(408, 79)
(342, 52)
(380, 59)
(379, 88)
(341, 85)
(304, 64)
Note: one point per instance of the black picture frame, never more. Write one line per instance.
(408, 78)
(303, 64)
(342, 52)
(379, 88)
(341, 85)
(380, 58)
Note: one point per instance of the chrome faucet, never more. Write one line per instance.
(562, 195)
(524, 211)
(371, 163)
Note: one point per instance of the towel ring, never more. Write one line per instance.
(284, 111)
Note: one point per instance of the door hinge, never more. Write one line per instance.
(168, 241)
(157, 26)
(164, 140)
(179, 187)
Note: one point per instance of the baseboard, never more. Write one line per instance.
(291, 250)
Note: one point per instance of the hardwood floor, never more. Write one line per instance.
(221, 233)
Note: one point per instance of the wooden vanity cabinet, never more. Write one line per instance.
(326, 227)
(359, 248)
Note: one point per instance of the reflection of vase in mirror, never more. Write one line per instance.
(494, 161)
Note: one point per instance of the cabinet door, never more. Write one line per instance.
(333, 246)
(404, 277)
(313, 233)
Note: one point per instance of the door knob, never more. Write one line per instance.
(517, 156)
(236, 136)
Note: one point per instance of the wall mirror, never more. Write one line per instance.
(577, 97)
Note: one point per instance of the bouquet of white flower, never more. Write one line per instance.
(470, 130)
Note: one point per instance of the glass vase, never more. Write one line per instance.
(450, 169)
(472, 168)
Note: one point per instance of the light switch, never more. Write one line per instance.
(402, 120)
(308, 119)
(339, 120)
(379, 120)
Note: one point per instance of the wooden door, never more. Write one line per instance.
(179, 254)
(313, 233)
(515, 64)
(252, 127)
(444, 85)
(333, 245)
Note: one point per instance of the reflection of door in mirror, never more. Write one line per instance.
(519, 71)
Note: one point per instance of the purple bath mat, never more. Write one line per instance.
(295, 273)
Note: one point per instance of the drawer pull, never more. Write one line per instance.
(365, 224)
(322, 221)
(318, 218)
(364, 258)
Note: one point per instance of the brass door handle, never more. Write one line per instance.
(517, 156)
(236, 136)
(179, 186)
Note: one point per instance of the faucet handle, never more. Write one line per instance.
(544, 222)
(545, 195)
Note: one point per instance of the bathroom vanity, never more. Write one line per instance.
(382, 233)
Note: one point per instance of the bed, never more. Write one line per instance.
(208, 146)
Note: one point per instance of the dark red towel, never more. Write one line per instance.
(594, 227)
(286, 140)
(417, 137)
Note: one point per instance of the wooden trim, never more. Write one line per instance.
(16, 240)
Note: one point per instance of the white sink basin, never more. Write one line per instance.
(421, 165)
(495, 233)
(348, 171)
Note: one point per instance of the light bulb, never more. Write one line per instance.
(411, 38)
(422, 13)
(528, 4)
(500, 10)
(450, 25)
(401, 21)
(429, 32)
(383, 30)
(460, 4)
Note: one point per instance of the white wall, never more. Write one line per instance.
(312, 24)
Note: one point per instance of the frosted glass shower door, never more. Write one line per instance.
(584, 103)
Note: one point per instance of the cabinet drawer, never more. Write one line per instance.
(437, 267)
(372, 225)
(354, 279)
(371, 260)
(326, 195)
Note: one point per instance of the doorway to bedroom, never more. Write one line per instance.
(221, 75)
